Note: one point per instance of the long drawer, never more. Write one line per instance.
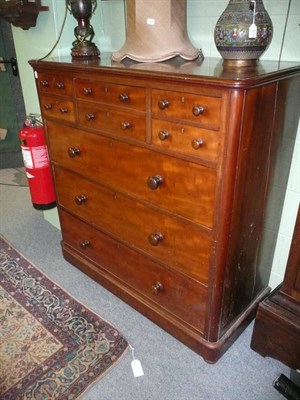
(58, 107)
(60, 83)
(185, 139)
(110, 93)
(115, 121)
(174, 241)
(203, 110)
(178, 295)
(185, 188)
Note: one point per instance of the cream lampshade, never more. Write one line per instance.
(156, 30)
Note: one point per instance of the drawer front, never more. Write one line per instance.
(203, 110)
(109, 93)
(181, 296)
(110, 120)
(186, 188)
(58, 84)
(59, 108)
(187, 140)
(177, 243)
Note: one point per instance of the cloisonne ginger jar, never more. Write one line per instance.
(243, 32)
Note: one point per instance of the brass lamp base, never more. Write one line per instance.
(85, 49)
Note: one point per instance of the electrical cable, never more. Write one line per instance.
(284, 31)
(59, 36)
(11, 184)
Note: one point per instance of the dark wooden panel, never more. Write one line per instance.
(276, 332)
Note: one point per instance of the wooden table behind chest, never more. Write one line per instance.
(276, 331)
(162, 175)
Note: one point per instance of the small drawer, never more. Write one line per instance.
(59, 108)
(58, 84)
(203, 110)
(169, 290)
(109, 93)
(187, 140)
(110, 120)
(178, 243)
(181, 187)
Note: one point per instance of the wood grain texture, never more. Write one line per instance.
(172, 225)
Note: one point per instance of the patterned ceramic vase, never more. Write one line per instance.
(244, 31)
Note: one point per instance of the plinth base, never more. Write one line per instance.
(85, 49)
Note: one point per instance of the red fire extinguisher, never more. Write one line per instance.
(36, 162)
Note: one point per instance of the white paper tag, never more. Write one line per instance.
(137, 368)
(150, 21)
(252, 31)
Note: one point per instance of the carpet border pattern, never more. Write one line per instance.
(90, 347)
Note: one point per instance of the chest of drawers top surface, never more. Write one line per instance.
(211, 71)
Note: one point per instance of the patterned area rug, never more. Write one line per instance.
(51, 346)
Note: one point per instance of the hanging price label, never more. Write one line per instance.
(253, 28)
(252, 31)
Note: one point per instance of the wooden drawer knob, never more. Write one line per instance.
(123, 97)
(90, 116)
(157, 287)
(198, 110)
(80, 199)
(163, 104)
(44, 83)
(73, 151)
(125, 125)
(197, 143)
(47, 106)
(155, 238)
(64, 110)
(154, 181)
(84, 244)
(60, 85)
(163, 135)
(87, 91)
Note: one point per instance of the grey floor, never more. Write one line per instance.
(171, 370)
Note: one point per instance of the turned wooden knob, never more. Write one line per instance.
(60, 85)
(198, 110)
(154, 181)
(44, 83)
(157, 287)
(90, 116)
(87, 91)
(73, 151)
(85, 244)
(163, 135)
(197, 143)
(155, 238)
(125, 125)
(163, 104)
(123, 97)
(80, 199)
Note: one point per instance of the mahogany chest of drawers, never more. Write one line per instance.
(163, 175)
